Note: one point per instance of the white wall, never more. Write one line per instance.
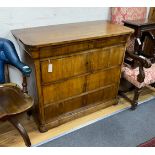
(13, 18)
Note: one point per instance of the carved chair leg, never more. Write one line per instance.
(135, 98)
(21, 130)
(121, 93)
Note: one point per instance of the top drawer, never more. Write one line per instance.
(70, 48)
(81, 63)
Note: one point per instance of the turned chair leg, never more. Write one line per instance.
(134, 102)
(21, 130)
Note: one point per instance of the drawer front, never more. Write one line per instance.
(63, 68)
(71, 105)
(103, 78)
(116, 40)
(60, 91)
(70, 48)
(98, 59)
(116, 56)
(106, 57)
(55, 110)
(101, 95)
(76, 86)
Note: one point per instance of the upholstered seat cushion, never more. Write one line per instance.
(131, 75)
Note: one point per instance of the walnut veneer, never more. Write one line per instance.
(86, 59)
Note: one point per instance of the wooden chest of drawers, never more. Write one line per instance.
(86, 61)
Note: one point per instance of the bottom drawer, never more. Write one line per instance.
(57, 109)
(103, 94)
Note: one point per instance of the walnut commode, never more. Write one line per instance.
(76, 68)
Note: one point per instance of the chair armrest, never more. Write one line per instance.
(142, 63)
(25, 69)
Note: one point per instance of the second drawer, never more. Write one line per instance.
(76, 86)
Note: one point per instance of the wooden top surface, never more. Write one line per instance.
(58, 34)
(142, 22)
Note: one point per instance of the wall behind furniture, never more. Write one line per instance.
(14, 18)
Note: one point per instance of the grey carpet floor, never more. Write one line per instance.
(125, 129)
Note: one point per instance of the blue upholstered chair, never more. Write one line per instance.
(13, 99)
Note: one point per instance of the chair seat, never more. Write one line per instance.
(13, 101)
(131, 75)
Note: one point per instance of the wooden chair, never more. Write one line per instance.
(13, 99)
(137, 69)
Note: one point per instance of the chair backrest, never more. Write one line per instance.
(119, 14)
(8, 55)
(149, 48)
